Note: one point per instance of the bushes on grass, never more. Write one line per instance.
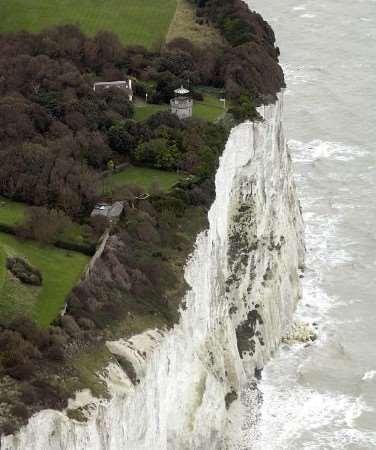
(7, 229)
(44, 225)
(24, 271)
(157, 152)
(86, 249)
(120, 140)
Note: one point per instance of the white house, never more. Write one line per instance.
(126, 85)
(111, 212)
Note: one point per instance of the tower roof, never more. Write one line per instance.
(181, 91)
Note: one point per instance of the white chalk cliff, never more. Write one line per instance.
(244, 278)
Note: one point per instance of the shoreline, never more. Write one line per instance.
(209, 363)
(158, 241)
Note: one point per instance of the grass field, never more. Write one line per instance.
(144, 177)
(209, 109)
(143, 22)
(185, 25)
(60, 269)
(11, 213)
(144, 112)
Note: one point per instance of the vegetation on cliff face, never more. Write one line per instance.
(254, 68)
(57, 136)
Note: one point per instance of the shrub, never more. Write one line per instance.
(44, 224)
(86, 249)
(8, 428)
(158, 153)
(23, 371)
(99, 224)
(20, 410)
(52, 395)
(28, 394)
(7, 229)
(23, 271)
(171, 203)
(70, 325)
(86, 324)
(14, 348)
(244, 109)
(55, 353)
(31, 332)
(165, 119)
(147, 233)
(120, 140)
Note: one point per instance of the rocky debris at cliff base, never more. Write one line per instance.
(300, 332)
(82, 399)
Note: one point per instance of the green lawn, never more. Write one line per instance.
(142, 176)
(142, 113)
(143, 22)
(11, 213)
(77, 234)
(60, 269)
(209, 109)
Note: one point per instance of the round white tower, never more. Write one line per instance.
(182, 103)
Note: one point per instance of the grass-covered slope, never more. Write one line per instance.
(60, 270)
(143, 177)
(11, 213)
(143, 22)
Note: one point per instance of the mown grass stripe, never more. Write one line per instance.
(143, 22)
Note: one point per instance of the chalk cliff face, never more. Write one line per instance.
(185, 384)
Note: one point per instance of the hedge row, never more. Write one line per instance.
(86, 249)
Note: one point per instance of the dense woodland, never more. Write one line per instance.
(56, 135)
(55, 132)
(251, 65)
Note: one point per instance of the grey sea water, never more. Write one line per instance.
(323, 396)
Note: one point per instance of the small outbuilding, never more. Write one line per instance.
(182, 103)
(111, 212)
(125, 85)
